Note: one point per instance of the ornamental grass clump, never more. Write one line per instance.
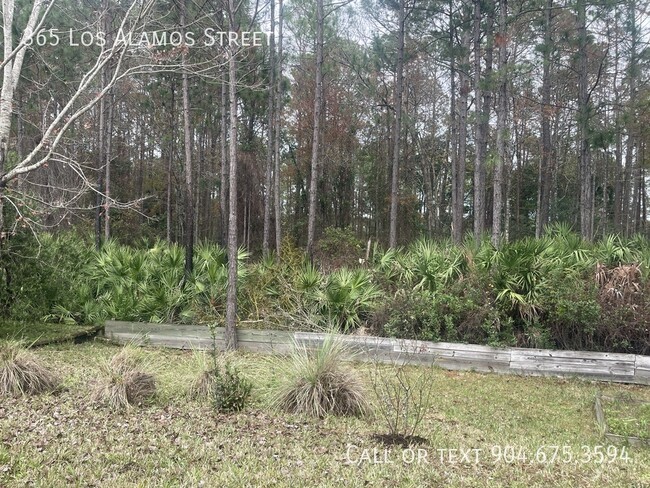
(317, 382)
(22, 373)
(123, 383)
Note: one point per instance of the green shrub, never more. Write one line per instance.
(230, 388)
(39, 274)
(420, 315)
(339, 247)
(462, 312)
(348, 297)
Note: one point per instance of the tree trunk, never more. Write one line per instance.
(545, 174)
(631, 156)
(318, 103)
(479, 160)
(101, 158)
(189, 186)
(230, 335)
(397, 132)
(108, 135)
(170, 163)
(107, 174)
(270, 139)
(456, 199)
(586, 176)
(459, 206)
(276, 149)
(223, 142)
(502, 114)
(488, 94)
(618, 130)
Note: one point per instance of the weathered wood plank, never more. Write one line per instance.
(642, 370)
(455, 356)
(163, 340)
(609, 356)
(359, 343)
(266, 347)
(593, 365)
(600, 414)
(197, 331)
(134, 327)
(448, 350)
(274, 336)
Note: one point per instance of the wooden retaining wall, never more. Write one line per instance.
(622, 368)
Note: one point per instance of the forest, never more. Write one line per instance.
(467, 170)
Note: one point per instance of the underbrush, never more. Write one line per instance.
(555, 292)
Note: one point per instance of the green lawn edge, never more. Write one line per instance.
(38, 334)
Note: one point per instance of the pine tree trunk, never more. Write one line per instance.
(318, 103)
(456, 199)
(276, 149)
(170, 162)
(101, 158)
(270, 139)
(502, 114)
(479, 162)
(223, 142)
(586, 176)
(107, 169)
(632, 144)
(230, 334)
(189, 186)
(108, 138)
(545, 175)
(459, 207)
(397, 132)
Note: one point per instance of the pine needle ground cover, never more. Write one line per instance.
(479, 428)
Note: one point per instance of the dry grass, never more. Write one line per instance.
(123, 383)
(319, 382)
(21, 372)
(203, 385)
(621, 283)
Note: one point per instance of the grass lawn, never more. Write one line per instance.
(40, 333)
(627, 417)
(483, 430)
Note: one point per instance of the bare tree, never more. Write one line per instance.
(13, 64)
(82, 98)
